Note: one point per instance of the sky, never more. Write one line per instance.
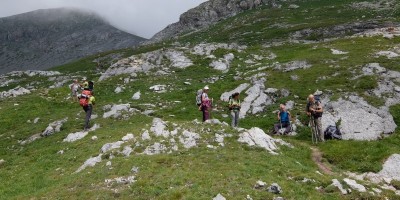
(140, 17)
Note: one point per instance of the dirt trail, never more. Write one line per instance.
(316, 156)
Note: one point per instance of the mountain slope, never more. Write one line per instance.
(45, 38)
(148, 142)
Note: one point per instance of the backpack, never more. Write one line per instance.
(91, 85)
(84, 98)
(332, 132)
(198, 97)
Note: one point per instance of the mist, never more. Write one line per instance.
(140, 17)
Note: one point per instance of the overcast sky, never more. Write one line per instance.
(140, 17)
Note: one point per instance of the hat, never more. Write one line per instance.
(206, 88)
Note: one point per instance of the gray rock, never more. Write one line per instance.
(108, 164)
(18, 91)
(372, 69)
(116, 110)
(294, 77)
(118, 90)
(257, 137)
(188, 139)
(110, 146)
(54, 127)
(388, 54)
(2, 161)
(178, 59)
(260, 185)
(294, 65)
(293, 6)
(225, 96)
(120, 180)
(275, 188)
(36, 120)
(207, 48)
(158, 88)
(159, 128)
(223, 64)
(135, 170)
(91, 162)
(337, 184)
(127, 151)
(154, 149)
(94, 138)
(391, 168)
(290, 105)
(370, 124)
(146, 135)
(72, 137)
(354, 185)
(338, 52)
(219, 197)
(128, 137)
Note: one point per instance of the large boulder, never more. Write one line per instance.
(358, 120)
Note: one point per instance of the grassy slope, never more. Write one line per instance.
(36, 170)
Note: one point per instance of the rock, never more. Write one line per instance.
(54, 127)
(108, 164)
(116, 110)
(72, 137)
(159, 128)
(388, 54)
(94, 138)
(187, 83)
(135, 170)
(289, 105)
(213, 121)
(158, 88)
(397, 89)
(257, 137)
(338, 52)
(373, 68)
(337, 184)
(178, 59)
(91, 162)
(294, 77)
(120, 180)
(2, 161)
(223, 64)
(41, 73)
(219, 197)
(128, 137)
(294, 65)
(220, 139)
(370, 124)
(127, 151)
(318, 93)
(206, 48)
(354, 185)
(146, 135)
(260, 185)
(36, 120)
(278, 198)
(18, 91)
(248, 197)
(110, 146)
(275, 188)
(188, 139)
(154, 149)
(136, 96)
(256, 99)
(293, 6)
(391, 168)
(118, 90)
(225, 96)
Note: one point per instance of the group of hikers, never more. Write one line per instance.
(86, 98)
(314, 110)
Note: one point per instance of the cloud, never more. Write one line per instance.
(140, 17)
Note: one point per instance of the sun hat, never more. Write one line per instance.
(206, 88)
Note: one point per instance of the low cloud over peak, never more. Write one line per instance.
(140, 17)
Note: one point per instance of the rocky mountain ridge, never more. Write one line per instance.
(45, 38)
(208, 13)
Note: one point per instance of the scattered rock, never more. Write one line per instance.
(391, 168)
(178, 59)
(91, 162)
(338, 52)
(373, 68)
(18, 91)
(354, 185)
(337, 184)
(219, 197)
(257, 137)
(128, 137)
(2, 161)
(146, 135)
(110, 146)
(54, 127)
(294, 65)
(72, 137)
(388, 54)
(188, 139)
(120, 180)
(94, 138)
(206, 49)
(118, 90)
(135, 170)
(115, 111)
(158, 88)
(159, 128)
(154, 149)
(36, 120)
(127, 151)
(275, 188)
(108, 164)
(260, 185)
(225, 96)
(293, 6)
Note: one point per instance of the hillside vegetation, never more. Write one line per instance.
(329, 42)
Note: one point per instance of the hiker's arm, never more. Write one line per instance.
(279, 115)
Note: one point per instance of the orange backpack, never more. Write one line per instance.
(84, 98)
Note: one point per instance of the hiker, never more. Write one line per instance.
(284, 120)
(314, 110)
(87, 100)
(74, 90)
(85, 84)
(205, 104)
(234, 107)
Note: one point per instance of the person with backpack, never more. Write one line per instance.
(74, 90)
(314, 110)
(284, 120)
(85, 84)
(206, 103)
(87, 100)
(234, 107)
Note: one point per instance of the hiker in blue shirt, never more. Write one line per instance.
(284, 120)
